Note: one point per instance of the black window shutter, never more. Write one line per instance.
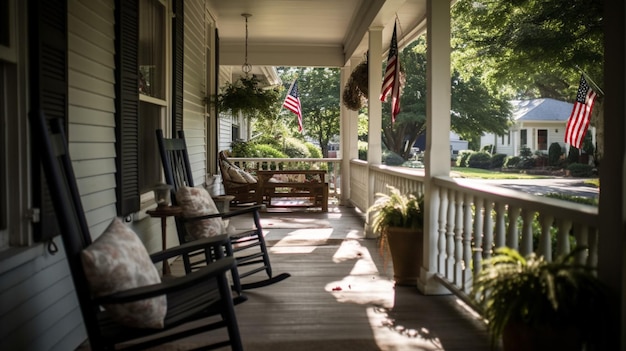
(47, 26)
(127, 106)
(178, 28)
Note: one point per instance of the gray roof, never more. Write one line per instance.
(541, 110)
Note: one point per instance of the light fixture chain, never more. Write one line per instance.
(246, 68)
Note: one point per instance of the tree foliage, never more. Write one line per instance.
(319, 98)
(475, 109)
(535, 47)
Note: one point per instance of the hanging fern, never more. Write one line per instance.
(245, 96)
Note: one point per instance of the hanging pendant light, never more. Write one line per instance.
(246, 67)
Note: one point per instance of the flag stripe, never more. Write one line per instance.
(578, 122)
(292, 103)
(391, 80)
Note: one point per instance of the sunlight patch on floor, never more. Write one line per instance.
(390, 336)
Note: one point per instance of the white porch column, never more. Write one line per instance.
(349, 135)
(375, 72)
(374, 128)
(437, 155)
(612, 207)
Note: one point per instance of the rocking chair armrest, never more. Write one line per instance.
(213, 269)
(251, 209)
(194, 245)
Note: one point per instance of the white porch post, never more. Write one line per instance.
(349, 135)
(437, 155)
(612, 207)
(374, 128)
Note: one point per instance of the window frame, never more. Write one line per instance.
(545, 148)
(164, 111)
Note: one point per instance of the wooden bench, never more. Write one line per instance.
(308, 186)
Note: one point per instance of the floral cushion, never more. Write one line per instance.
(197, 202)
(118, 261)
(248, 177)
(235, 175)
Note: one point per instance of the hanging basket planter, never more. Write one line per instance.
(247, 97)
(355, 91)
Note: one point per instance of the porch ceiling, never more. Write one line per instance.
(307, 33)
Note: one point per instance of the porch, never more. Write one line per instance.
(341, 295)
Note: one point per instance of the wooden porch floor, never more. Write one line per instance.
(341, 297)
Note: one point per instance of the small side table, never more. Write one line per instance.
(163, 212)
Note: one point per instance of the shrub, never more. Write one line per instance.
(526, 163)
(572, 198)
(525, 152)
(479, 160)
(580, 170)
(554, 154)
(265, 151)
(240, 149)
(392, 159)
(362, 145)
(314, 150)
(461, 160)
(511, 161)
(497, 160)
(573, 155)
(295, 148)
(489, 149)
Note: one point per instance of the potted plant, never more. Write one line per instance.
(399, 220)
(246, 95)
(534, 304)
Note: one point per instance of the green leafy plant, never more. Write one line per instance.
(540, 294)
(397, 210)
(246, 96)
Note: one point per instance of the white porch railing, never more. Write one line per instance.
(473, 219)
(332, 165)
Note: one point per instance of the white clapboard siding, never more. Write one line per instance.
(195, 88)
(38, 305)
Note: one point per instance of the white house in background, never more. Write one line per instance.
(537, 123)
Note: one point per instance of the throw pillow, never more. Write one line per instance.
(235, 175)
(248, 177)
(197, 202)
(118, 261)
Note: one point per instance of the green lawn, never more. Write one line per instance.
(464, 172)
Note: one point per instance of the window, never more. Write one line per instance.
(235, 133)
(542, 139)
(7, 30)
(153, 26)
(523, 137)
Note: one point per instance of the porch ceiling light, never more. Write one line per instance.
(246, 67)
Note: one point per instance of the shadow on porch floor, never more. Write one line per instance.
(341, 296)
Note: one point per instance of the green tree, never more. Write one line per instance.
(532, 46)
(475, 109)
(319, 98)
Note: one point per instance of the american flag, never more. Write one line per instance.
(391, 81)
(579, 119)
(292, 103)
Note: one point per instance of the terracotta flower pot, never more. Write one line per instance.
(405, 246)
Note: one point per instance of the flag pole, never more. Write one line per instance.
(595, 86)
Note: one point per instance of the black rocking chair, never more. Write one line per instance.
(190, 298)
(177, 170)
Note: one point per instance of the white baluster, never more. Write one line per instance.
(562, 237)
(500, 225)
(545, 240)
(450, 236)
(526, 246)
(443, 212)
(488, 236)
(581, 233)
(478, 235)
(467, 244)
(512, 239)
(458, 240)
